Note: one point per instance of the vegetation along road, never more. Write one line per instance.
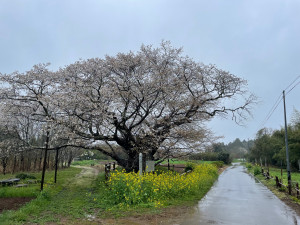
(237, 198)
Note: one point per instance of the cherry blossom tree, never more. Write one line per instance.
(155, 101)
(26, 100)
(150, 101)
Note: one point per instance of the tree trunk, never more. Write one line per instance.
(4, 164)
(61, 162)
(22, 162)
(40, 161)
(48, 163)
(56, 165)
(35, 161)
(70, 159)
(14, 164)
(130, 164)
(28, 163)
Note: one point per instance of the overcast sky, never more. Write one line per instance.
(253, 39)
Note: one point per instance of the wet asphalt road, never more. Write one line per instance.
(238, 199)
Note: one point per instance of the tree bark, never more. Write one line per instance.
(14, 164)
(56, 165)
(4, 164)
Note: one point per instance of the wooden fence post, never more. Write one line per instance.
(290, 187)
(278, 184)
(105, 169)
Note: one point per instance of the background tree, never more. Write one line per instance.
(22, 142)
(28, 111)
(271, 144)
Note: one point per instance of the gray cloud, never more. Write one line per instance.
(257, 40)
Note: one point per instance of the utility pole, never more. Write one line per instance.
(287, 148)
(45, 156)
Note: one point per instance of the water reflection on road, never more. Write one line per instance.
(237, 199)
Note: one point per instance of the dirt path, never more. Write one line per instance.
(167, 216)
(13, 203)
(87, 175)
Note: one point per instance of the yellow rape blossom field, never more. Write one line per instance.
(153, 189)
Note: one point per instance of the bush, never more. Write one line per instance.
(249, 166)
(282, 189)
(205, 156)
(218, 164)
(256, 170)
(212, 156)
(225, 157)
(189, 167)
(23, 176)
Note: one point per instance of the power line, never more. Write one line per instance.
(274, 107)
(292, 82)
(293, 87)
(279, 99)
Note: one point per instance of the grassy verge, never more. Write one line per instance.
(85, 162)
(275, 172)
(271, 183)
(33, 210)
(80, 196)
(33, 190)
(89, 162)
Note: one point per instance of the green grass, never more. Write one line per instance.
(61, 175)
(74, 197)
(271, 183)
(89, 162)
(33, 190)
(30, 191)
(37, 209)
(85, 162)
(277, 172)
